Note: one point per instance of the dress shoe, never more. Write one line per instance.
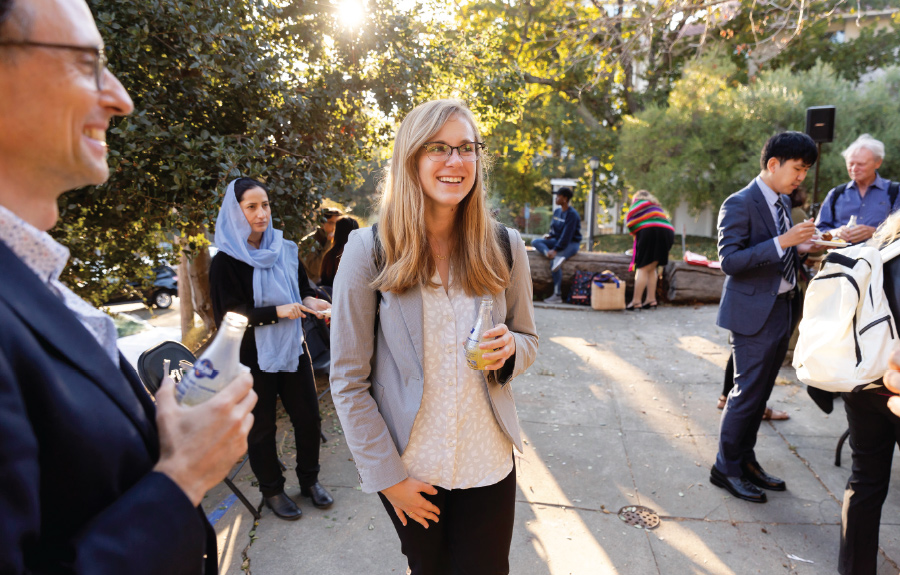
(755, 475)
(737, 486)
(284, 507)
(319, 495)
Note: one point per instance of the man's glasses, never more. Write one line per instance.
(440, 152)
(99, 53)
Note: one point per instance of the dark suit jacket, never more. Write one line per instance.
(78, 442)
(749, 259)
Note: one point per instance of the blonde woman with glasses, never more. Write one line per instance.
(434, 438)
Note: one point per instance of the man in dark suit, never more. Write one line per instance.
(93, 477)
(758, 251)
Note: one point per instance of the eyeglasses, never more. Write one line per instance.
(100, 60)
(440, 152)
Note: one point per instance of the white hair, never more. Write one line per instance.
(868, 142)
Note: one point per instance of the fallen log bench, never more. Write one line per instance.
(585, 261)
(689, 283)
(681, 282)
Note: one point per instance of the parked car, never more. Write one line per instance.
(159, 293)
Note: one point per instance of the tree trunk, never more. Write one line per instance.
(185, 296)
(199, 270)
(193, 291)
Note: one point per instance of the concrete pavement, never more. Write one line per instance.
(619, 409)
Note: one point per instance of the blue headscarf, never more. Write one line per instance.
(275, 268)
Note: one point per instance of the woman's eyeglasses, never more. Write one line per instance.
(440, 152)
(100, 62)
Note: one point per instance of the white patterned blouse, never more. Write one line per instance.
(456, 442)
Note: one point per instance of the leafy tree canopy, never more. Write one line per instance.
(704, 145)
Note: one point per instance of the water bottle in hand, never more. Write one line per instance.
(218, 365)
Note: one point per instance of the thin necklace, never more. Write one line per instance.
(439, 256)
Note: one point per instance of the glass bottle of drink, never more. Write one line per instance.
(852, 221)
(484, 322)
(218, 365)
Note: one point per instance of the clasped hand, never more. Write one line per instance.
(856, 234)
(311, 305)
(502, 346)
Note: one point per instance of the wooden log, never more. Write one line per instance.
(586, 261)
(689, 283)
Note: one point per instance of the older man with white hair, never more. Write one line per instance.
(867, 196)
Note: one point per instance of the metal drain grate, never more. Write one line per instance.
(639, 517)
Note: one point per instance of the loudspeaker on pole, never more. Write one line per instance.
(820, 123)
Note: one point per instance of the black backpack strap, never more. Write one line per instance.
(378, 250)
(893, 191)
(505, 245)
(834, 197)
(378, 256)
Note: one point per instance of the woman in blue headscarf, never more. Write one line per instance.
(258, 274)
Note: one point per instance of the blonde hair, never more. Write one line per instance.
(477, 258)
(887, 233)
(644, 195)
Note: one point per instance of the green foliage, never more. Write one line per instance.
(274, 90)
(705, 145)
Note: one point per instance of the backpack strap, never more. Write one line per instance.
(837, 193)
(378, 256)
(503, 240)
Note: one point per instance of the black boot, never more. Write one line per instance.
(319, 495)
(284, 507)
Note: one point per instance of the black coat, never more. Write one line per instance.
(78, 442)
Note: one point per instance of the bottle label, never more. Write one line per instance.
(204, 368)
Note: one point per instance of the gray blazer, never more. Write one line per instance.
(377, 379)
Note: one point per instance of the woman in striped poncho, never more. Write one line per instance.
(653, 238)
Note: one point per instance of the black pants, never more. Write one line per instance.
(298, 396)
(473, 535)
(874, 431)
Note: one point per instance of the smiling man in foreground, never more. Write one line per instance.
(93, 477)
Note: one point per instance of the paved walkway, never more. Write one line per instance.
(619, 409)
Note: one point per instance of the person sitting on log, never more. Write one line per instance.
(562, 241)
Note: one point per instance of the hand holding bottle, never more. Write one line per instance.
(502, 346)
(198, 445)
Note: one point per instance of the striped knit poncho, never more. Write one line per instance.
(645, 214)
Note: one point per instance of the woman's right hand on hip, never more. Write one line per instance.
(406, 497)
(290, 311)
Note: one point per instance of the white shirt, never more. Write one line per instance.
(47, 258)
(773, 198)
(456, 442)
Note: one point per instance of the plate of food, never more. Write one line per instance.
(827, 240)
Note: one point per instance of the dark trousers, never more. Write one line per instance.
(473, 535)
(298, 396)
(874, 431)
(796, 311)
(757, 359)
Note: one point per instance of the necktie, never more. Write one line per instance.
(787, 260)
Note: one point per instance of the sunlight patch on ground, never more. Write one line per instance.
(715, 353)
(228, 542)
(567, 530)
(635, 386)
